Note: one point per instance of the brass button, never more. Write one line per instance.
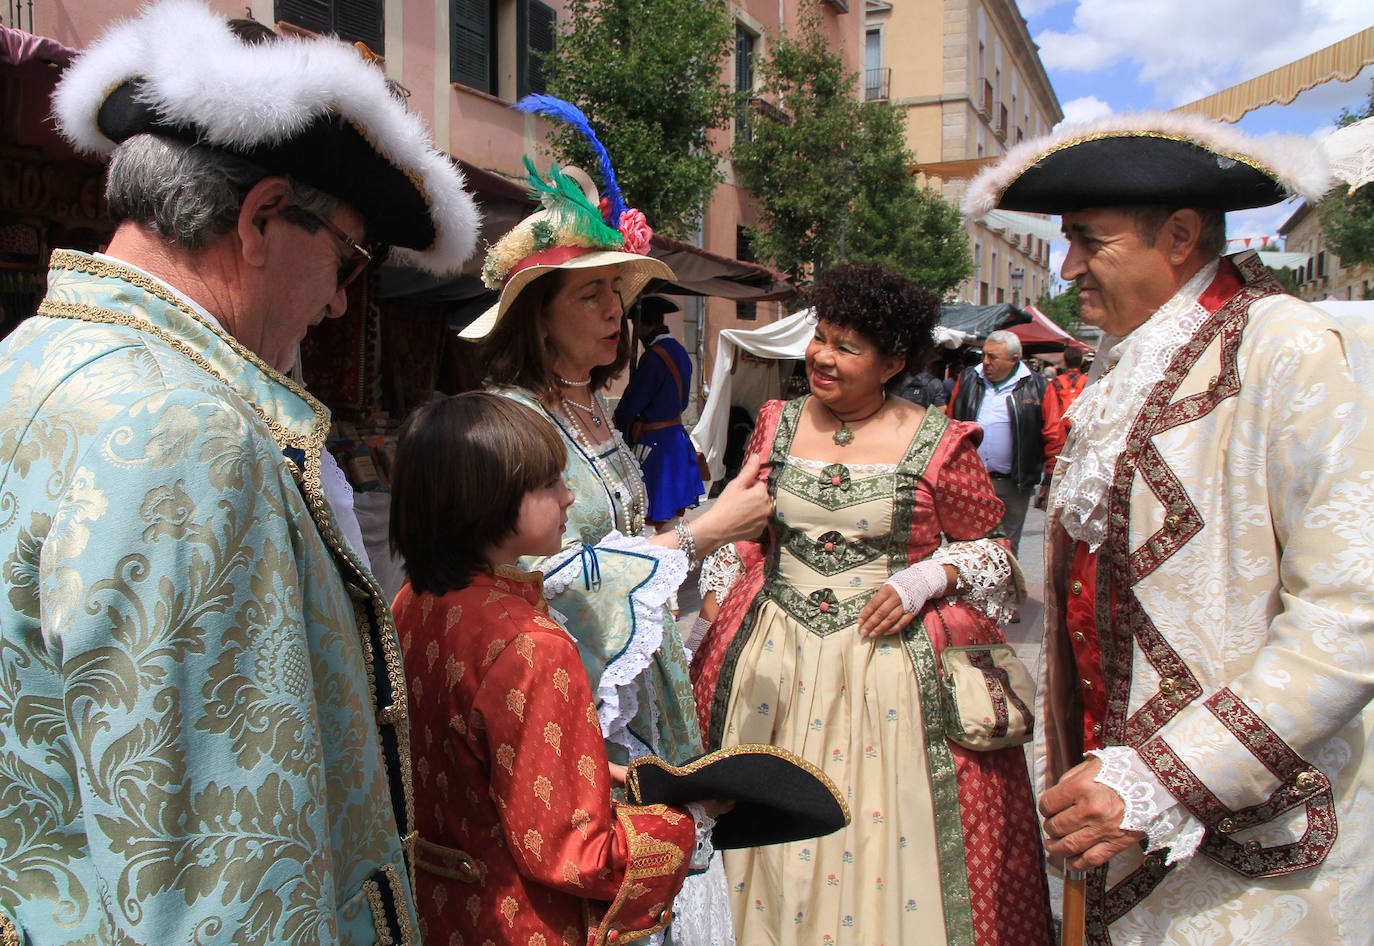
(1154, 861)
(1087, 684)
(1167, 686)
(1173, 521)
(1213, 382)
(1226, 825)
(1306, 781)
(1076, 587)
(1251, 846)
(1078, 636)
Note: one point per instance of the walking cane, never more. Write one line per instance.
(1075, 909)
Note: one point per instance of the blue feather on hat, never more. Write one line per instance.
(550, 107)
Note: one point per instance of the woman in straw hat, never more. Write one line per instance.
(553, 341)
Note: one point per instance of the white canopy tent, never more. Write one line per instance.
(1358, 314)
(736, 380)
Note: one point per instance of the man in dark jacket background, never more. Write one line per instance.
(1003, 396)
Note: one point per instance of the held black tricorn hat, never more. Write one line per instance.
(778, 796)
(309, 107)
(1175, 159)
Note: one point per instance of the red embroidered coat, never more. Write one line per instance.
(519, 840)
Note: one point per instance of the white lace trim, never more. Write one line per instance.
(855, 469)
(701, 910)
(616, 699)
(719, 572)
(988, 572)
(338, 492)
(701, 854)
(1149, 806)
(1101, 418)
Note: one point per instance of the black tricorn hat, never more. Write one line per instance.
(312, 108)
(1180, 160)
(778, 796)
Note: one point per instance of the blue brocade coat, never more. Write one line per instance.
(202, 723)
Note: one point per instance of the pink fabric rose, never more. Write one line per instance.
(636, 232)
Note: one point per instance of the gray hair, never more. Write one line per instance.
(1007, 340)
(191, 194)
(1150, 218)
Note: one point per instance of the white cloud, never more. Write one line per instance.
(1259, 222)
(1085, 109)
(1186, 49)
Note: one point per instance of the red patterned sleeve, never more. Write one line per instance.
(550, 781)
(964, 500)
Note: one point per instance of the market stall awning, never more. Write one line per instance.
(703, 273)
(1342, 61)
(982, 320)
(1040, 334)
(1023, 223)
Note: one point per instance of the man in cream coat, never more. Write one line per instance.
(1206, 726)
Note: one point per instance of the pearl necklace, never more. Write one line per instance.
(630, 512)
(596, 418)
(572, 384)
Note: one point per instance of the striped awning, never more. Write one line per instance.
(1342, 61)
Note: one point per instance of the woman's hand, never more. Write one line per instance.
(903, 595)
(716, 807)
(740, 512)
(884, 614)
(618, 773)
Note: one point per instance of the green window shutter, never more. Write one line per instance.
(314, 15)
(537, 27)
(470, 59)
(360, 21)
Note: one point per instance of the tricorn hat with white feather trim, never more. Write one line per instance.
(1180, 160)
(311, 108)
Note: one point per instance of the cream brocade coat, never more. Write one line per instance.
(1239, 657)
(202, 705)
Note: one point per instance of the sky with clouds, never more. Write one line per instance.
(1105, 56)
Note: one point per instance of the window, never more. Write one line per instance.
(745, 311)
(745, 42)
(476, 47)
(357, 21)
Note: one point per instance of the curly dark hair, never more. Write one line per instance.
(888, 309)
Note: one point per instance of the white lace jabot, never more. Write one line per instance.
(1101, 418)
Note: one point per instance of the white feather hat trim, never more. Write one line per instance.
(1296, 162)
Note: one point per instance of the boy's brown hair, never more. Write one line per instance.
(463, 466)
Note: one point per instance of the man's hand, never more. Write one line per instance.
(1083, 819)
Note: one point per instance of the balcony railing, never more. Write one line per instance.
(757, 106)
(876, 82)
(15, 17)
(1000, 128)
(985, 106)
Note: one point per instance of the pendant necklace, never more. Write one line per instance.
(596, 418)
(631, 500)
(845, 435)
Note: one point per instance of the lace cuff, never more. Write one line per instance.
(701, 854)
(989, 577)
(719, 572)
(1149, 807)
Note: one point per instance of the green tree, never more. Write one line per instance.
(1062, 309)
(830, 176)
(1282, 274)
(647, 73)
(894, 221)
(1348, 219)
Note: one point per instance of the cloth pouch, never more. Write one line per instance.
(986, 695)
